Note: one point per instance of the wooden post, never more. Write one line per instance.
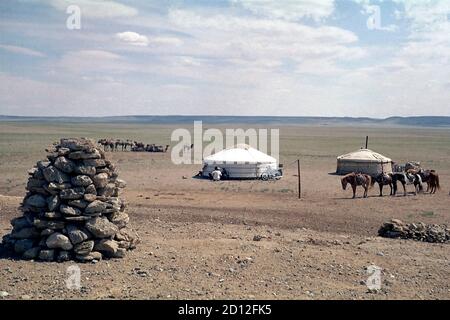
(299, 180)
(367, 141)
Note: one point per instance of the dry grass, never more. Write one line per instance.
(196, 230)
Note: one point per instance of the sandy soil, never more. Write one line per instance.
(198, 239)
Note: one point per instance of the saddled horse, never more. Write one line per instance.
(383, 179)
(407, 179)
(428, 176)
(357, 179)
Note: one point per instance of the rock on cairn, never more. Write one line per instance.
(72, 209)
(416, 231)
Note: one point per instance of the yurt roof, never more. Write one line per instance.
(365, 155)
(242, 153)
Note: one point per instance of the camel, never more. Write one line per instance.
(187, 147)
(128, 143)
(123, 144)
(107, 144)
(118, 143)
(138, 146)
(113, 145)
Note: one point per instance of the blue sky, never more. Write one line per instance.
(226, 57)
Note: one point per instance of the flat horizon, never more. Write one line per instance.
(217, 115)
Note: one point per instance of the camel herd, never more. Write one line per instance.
(124, 145)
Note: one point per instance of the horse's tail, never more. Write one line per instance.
(437, 182)
(394, 182)
(371, 181)
(344, 182)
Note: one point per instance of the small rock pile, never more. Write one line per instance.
(416, 231)
(72, 209)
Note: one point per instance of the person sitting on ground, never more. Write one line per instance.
(216, 174)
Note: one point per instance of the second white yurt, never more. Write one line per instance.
(242, 162)
(363, 161)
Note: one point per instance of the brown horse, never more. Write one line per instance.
(434, 182)
(357, 179)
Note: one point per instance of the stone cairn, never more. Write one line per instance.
(416, 231)
(72, 209)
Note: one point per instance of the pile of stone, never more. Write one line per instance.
(72, 209)
(416, 231)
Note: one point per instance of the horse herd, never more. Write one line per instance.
(114, 145)
(410, 177)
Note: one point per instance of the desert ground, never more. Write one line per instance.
(197, 236)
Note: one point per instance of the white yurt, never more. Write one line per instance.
(363, 161)
(240, 162)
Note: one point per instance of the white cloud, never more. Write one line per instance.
(428, 42)
(94, 62)
(290, 10)
(412, 80)
(95, 54)
(132, 38)
(230, 23)
(96, 8)
(136, 39)
(228, 60)
(171, 41)
(256, 58)
(233, 37)
(425, 15)
(23, 96)
(22, 50)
